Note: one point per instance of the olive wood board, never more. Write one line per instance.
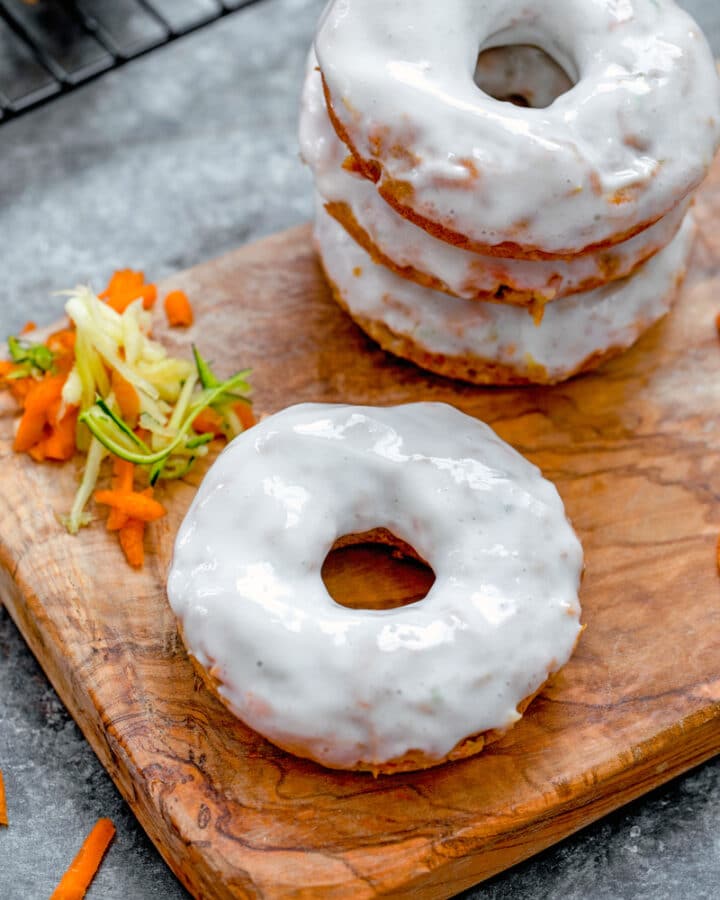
(635, 452)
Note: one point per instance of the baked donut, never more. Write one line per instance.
(488, 343)
(380, 690)
(607, 159)
(414, 254)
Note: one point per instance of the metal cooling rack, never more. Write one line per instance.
(49, 47)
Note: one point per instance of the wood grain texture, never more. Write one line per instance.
(635, 452)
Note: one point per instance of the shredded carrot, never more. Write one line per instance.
(37, 451)
(131, 534)
(122, 480)
(3, 803)
(75, 882)
(28, 327)
(244, 412)
(131, 540)
(62, 341)
(123, 474)
(6, 367)
(116, 520)
(62, 345)
(127, 397)
(133, 504)
(126, 286)
(60, 444)
(149, 296)
(38, 401)
(20, 387)
(209, 421)
(178, 310)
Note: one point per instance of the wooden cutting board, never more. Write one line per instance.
(635, 452)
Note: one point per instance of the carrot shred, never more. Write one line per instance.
(149, 296)
(37, 451)
(125, 287)
(116, 520)
(40, 397)
(244, 412)
(127, 397)
(209, 421)
(131, 540)
(62, 341)
(28, 327)
(122, 475)
(3, 803)
(122, 480)
(20, 387)
(6, 367)
(178, 310)
(60, 445)
(62, 345)
(133, 504)
(75, 882)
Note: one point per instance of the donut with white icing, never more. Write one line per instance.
(489, 343)
(413, 253)
(382, 690)
(607, 159)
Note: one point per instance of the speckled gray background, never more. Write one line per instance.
(176, 158)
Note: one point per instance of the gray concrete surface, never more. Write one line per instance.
(174, 159)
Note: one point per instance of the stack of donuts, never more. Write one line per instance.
(503, 186)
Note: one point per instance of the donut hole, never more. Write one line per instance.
(521, 74)
(375, 570)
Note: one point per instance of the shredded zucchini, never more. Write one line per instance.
(172, 392)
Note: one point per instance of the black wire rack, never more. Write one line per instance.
(50, 47)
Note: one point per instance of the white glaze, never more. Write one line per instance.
(643, 117)
(573, 328)
(464, 274)
(351, 686)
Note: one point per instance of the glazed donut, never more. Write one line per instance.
(381, 690)
(633, 137)
(488, 343)
(414, 254)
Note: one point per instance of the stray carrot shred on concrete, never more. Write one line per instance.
(75, 882)
(178, 310)
(3, 803)
(28, 327)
